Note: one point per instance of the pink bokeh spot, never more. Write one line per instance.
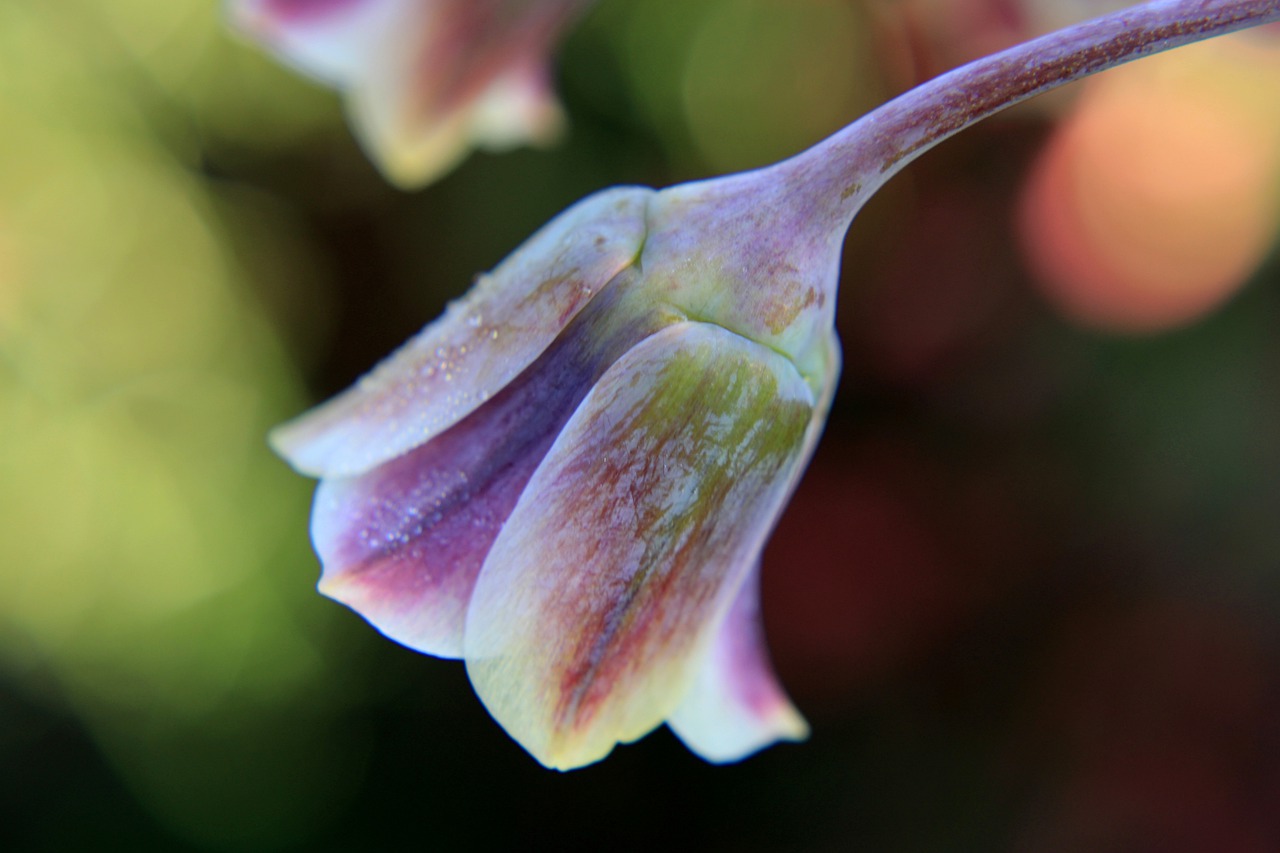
(304, 11)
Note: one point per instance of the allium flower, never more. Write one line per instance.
(568, 479)
(425, 80)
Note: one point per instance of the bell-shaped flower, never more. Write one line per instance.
(425, 80)
(568, 479)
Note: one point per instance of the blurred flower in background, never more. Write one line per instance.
(425, 80)
(1158, 196)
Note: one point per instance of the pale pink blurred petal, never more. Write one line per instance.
(461, 74)
(331, 40)
(425, 80)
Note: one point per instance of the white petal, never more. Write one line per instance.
(480, 344)
(736, 705)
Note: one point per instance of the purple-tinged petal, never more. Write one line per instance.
(481, 343)
(602, 594)
(736, 705)
(402, 544)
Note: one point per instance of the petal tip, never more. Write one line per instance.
(731, 740)
(295, 441)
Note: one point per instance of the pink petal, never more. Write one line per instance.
(402, 544)
(736, 705)
(604, 590)
(518, 107)
(331, 40)
(480, 344)
(462, 73)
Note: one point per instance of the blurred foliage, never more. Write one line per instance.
(147, 550)
(1028, 594)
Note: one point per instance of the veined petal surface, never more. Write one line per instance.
(736, 705)
(480, 344)
(600, 597)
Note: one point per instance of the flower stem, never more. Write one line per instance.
(840, 173)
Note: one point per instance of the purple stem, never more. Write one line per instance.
(841, 172)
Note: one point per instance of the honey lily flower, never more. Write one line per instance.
(567, 480)
(425, 80)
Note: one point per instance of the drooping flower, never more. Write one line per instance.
(567, 480)
(425, 80)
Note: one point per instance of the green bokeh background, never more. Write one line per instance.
(1028, 595)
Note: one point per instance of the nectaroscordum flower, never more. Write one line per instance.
(425, 80)
(567, 480)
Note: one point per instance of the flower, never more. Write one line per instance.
(424, 80)
(568, 479)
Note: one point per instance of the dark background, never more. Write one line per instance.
(1027, 594)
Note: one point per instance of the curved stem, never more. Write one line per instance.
(840, 173)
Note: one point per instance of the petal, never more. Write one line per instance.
(479, 345)
(736, 705)
(605, 587)
(517, 108)
(402, 544)
(430, 94)
(331, 40)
